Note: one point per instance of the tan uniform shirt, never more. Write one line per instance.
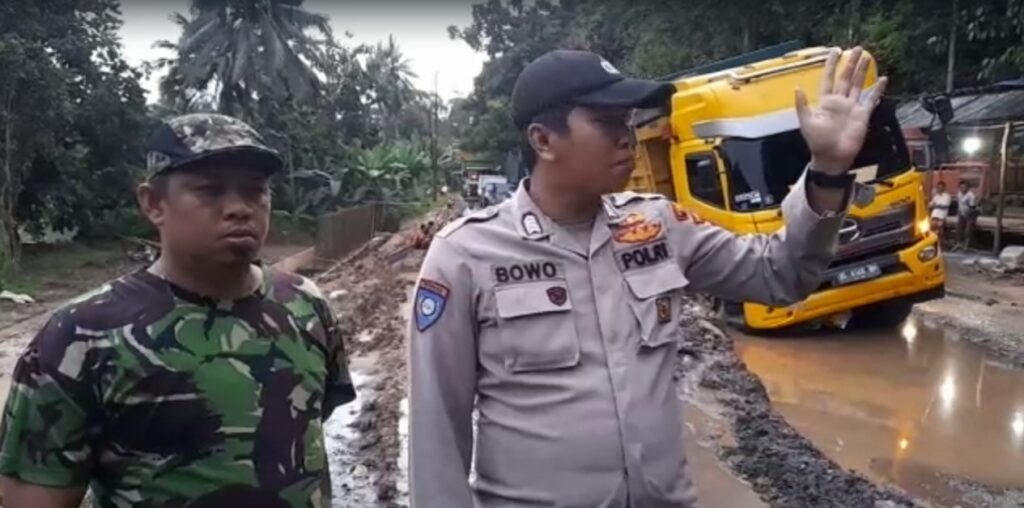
(568, 353)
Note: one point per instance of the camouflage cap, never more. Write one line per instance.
(208, 137)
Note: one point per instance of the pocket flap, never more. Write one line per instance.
(532, 298)
(656, 280)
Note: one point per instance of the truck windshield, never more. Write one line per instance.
(761, 170)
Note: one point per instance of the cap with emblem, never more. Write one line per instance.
(580, 78)
(211, 138)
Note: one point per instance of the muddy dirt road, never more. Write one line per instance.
(916, 407)
(847, 420)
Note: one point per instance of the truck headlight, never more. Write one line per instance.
(928, 253)
(924, 226)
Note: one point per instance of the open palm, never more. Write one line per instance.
(836, 126)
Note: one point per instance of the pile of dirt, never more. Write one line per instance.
(783, 467)
(367, 295)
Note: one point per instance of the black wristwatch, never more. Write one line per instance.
(825, 180)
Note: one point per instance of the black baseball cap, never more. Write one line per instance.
(579, 78)
(186, 140)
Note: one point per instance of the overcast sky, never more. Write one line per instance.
(419, 27)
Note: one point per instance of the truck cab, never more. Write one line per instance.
(728, 148)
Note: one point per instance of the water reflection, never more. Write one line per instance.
(947, 392)
(908, 405)
(909, 332)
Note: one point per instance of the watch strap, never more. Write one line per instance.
(828, 181)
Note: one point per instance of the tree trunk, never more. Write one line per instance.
(852, 28)
(951, 57)
(10, 246)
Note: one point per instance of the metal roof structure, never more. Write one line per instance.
(979, 109)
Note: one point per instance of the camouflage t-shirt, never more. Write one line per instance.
(161, 398)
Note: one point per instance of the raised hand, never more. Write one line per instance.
(835, 128)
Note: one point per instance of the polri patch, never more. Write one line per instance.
(642, 256)
(431, 297)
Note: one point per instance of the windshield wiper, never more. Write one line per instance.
(880, 181)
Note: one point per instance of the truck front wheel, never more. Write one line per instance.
(887, 314)
(730, 313)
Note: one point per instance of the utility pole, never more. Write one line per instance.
(433, 140)
(951, 63)
(1007, 132)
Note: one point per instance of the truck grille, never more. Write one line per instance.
(863, 237)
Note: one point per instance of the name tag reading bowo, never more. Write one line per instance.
(525, 272)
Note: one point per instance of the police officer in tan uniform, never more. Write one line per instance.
(554, 314)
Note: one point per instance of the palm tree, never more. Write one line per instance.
(392, 87)
(248, 50)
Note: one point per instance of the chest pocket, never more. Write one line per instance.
(657, 302)
(536, 326)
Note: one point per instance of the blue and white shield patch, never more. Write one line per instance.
(431, 297)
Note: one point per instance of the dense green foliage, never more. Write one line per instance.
(654, 38)
(70, 113)
(252, 51)
(73, 118)
(330, 109)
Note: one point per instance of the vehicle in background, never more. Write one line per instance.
(484, 186)
(728, 149)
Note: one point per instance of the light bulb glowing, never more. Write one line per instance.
(971, 145)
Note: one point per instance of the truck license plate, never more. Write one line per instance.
(858, 273)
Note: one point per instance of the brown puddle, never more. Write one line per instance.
(911, 407)
(715, 484)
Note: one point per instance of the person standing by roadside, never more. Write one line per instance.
(939, 206)
(966, 215)
(555, 314)
(424, 235)
(201, 381)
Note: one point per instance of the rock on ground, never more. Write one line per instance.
(1012, 257)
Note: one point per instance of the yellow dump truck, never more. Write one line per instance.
(728, 148)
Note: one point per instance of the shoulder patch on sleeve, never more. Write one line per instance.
(478, 216)
(621, 199)
(431, 297)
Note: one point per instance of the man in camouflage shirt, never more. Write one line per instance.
(202, 381)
